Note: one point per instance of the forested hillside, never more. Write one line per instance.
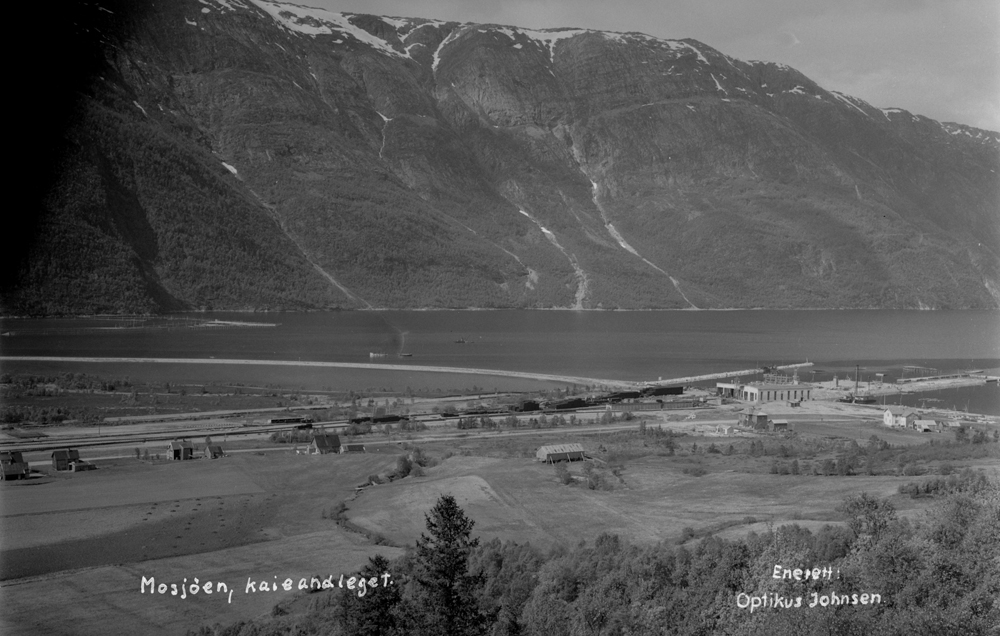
(248, 154)
(879, 575)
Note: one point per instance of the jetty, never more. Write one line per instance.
(691, 379)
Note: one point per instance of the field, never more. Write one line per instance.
(87, 541)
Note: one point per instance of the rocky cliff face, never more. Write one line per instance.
(251, 154)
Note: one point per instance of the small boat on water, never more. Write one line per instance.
(372, 354)
(406, 355)
(460, 341)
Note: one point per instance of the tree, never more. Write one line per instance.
(373, 614)
(868, 516)
(446, 594)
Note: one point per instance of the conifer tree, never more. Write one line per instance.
(446, 593)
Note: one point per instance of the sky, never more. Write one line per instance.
(938, 58)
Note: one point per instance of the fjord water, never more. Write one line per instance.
(626, 345)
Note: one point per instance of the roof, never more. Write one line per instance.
(561, 448)
(780, 421)
(901, 410)
(178, 444)
(68, 453)
(214, 448)
(778, 387)
(326, 441)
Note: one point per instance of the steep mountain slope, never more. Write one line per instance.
(252, 154)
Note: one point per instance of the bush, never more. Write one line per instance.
(562, 474)
(403, 467)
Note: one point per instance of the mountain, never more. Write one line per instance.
(247, 154)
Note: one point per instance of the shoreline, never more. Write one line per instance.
(569, 379)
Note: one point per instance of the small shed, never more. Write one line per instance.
(323, 444)
(214, 451)
(62, 458)
(779, 425)
(725, 430)
(352, 448)
(926, 426)
(180, 449)
(560, 453)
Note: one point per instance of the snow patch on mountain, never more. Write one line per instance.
(718, 85)
(850, 101)
(224, 5)
(437, 52)
(313, 22)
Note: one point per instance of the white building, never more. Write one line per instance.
(775, 392)
(899, 417)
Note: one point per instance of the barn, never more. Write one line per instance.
(62, 458)
(352, 448)
(560, 453)
(180, 449)
(214, 451)
(323, 444)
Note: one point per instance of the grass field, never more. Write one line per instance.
(86, 541)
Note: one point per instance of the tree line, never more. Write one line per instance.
(933, 575)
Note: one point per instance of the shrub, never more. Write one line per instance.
(403, 467)
(562, 474)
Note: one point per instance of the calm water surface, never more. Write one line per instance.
(618, 345)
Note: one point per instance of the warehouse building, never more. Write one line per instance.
(560, 453)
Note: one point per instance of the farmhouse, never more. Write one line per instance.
(13, 466)
(61, 458)
(180, 449)
(352, 448)
(214, 451)
(560, 453)
(899, 417)
(323, 444)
